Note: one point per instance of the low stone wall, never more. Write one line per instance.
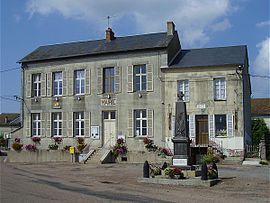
(39, 156)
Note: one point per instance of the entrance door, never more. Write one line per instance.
(202, 137)
(109, 128)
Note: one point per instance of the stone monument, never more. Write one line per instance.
(181, 140)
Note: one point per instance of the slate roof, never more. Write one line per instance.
(260, 106)
(85, 48)
(232, 55)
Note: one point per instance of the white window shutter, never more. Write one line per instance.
(49, 84)
(48, 124)
(211, 125)
(118, 78)
(192, 130)
(130, 123)
(87, 124)
(149, 68)
(43, 124)
(130, 79)
(99, 80)
(27, 123)
(64, 129)
(64, 75)
(150, 119)
(230, 129)
(87, 81)
(28, 85)
(43, 85)
(69, 124)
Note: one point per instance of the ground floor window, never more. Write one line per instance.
(140, 122)
(36, 124)
(57, 124)
(220, 125)
(78, 124)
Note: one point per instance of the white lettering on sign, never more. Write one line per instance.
(201, 106)
(108, 102)
(180, 162)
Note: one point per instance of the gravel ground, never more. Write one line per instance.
(66, 182)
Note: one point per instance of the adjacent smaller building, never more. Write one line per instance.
(260, 108)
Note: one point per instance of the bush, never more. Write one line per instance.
(17, 146)
(119, 148)
(259, 130)
(53, 146)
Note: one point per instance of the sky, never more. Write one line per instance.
(28, 24)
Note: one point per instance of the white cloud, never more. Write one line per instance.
(263, 23)
(262, 67)
(192, 17)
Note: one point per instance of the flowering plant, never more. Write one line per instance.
(81, 145)
(17, 146)
(36, 139)
(31, 148)
(149, 144)
(165, 152)
(53, 146)
(66, 148)
(119, 148)
(57, 139)
(172, 172)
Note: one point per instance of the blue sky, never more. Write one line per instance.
(25, 25)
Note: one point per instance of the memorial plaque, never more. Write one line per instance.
(180, 162)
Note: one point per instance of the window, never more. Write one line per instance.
(140, 122)
(219, 89)
(79, 82)
(57, 124)
(57, 83)
(183, 86)
(78, 124)
(220, 125)
(108, 80)
(140, 77)
(36, 85)
(36, 124)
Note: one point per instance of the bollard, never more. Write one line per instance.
(204, 172)
(146, 169)
(215, 167)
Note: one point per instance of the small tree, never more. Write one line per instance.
(259, 130)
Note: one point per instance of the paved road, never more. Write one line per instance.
(66, 182)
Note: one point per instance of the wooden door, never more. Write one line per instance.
(202, 137)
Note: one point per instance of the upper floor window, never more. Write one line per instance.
(108, 80)
(78, 124)
(140, 77)
(57, 84)
(79, 82)
(140, 122)
(36, 124)
(57, 124)
(219, 89)
(183, 86)
(36, 85)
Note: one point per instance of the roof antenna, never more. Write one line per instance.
(108, 17)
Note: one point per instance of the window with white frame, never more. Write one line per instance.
(57, 124)
(78, 124)
(183, 86)
(108, 80)
(140, 77)
(220, 125)
(140, 122)
(36, 124)
(79, 82)
(219, 89)
(57, 83)
(36, 85)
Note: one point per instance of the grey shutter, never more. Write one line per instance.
(211, 126)
(117, 81)
(48, 124)
(192, 128)
(70, 82)
(150, 127)
(43, 124)
(99, 80)
(130, 79)
(230, 130)
(64, 124)
(43, 85)
(64, 74)
(27, 125)
(87, 124)
(69, 124)
(87, 81)
(49, 84)
(149, 68)
(28, 85)
(130, 123)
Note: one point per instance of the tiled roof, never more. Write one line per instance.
(260, 106)
(85, 48)
(231, 55)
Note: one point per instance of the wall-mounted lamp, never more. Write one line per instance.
(140, 95)
(36, 100)
(56, 99)
(78, 98)
(108, 96)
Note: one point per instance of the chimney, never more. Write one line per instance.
(170, 28)
(109, 35)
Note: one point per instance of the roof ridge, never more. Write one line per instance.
(215, 47)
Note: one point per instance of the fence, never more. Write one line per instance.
(252, 151)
